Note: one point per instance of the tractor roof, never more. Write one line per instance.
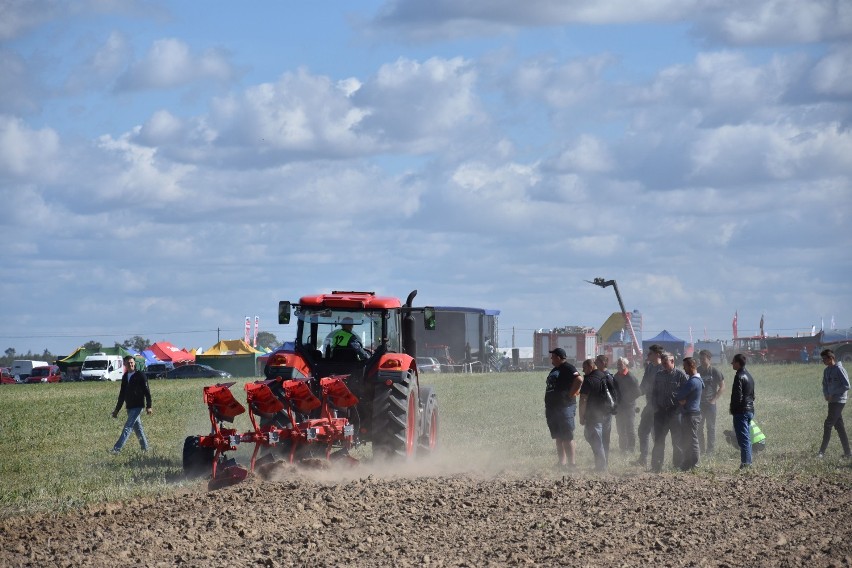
(352, 300)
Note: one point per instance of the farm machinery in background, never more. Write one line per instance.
(318, 400)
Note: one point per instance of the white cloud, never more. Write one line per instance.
(420, 105)
(27, 153)
(171, 63)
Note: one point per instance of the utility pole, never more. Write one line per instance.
(605, 283)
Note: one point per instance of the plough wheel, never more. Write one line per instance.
(396, 421)
(197, 460)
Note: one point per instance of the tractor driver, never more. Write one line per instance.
(344, 337)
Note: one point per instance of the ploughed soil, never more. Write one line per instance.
(369, 517)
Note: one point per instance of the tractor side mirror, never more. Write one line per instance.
(283, 312)
(429, 318)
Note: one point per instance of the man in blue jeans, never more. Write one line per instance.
(592, 414)
(742, 407)
(136, 395)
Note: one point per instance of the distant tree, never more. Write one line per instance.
(137, 343)
(93, 345)
(266, 339)
(10, 355)
(46, 355)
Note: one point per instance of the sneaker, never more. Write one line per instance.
(640, 461)
(820, 455)
(114, 452)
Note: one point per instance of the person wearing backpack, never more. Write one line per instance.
(594, 413)
(689, 398)
(666, 416)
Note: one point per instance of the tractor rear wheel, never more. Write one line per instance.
(428, 441)
(396, 423)
(197, 460)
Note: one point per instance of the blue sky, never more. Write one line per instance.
(167, 169)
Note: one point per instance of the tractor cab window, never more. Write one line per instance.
(318, 326)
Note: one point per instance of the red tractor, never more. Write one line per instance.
(351, 377)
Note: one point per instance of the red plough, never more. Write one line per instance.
(275, 421)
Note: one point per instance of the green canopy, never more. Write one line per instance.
(76, 359)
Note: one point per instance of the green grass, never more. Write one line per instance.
(54, 439)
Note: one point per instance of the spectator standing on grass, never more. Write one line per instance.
(667, 382)
(601, 364)
(595, 418)
(560, 405)
(835, 389)
(714, 386)
(646, 419)
(742, 407)
(689, 398)
(135, 394)
(625, 419)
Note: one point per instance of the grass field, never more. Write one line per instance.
(54, 439)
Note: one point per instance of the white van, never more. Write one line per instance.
(22, 369)
(102, 367)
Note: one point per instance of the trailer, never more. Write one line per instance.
(579, 343)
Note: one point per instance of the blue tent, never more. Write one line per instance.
(669, 342)
(150, 357)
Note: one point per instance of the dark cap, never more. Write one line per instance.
(559, 352)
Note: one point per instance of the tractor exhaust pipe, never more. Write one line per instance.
(409, 344)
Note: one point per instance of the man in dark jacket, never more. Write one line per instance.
(593, 415)
(646, 419)
(136, 395)
(667, 382)
(742, 407)
(625, 420)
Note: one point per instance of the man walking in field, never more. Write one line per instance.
(835, 389)
(136, 395)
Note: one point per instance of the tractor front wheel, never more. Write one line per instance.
(396, 423)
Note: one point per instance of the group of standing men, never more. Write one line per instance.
(680, 403)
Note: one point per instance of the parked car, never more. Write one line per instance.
(6, 377)
(158, 370)
(196, 371)
(428, 365)
(49, 374)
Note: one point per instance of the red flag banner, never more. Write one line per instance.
(248, 329)
(735, 325)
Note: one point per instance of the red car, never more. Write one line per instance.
(49, 374)
(6, 377)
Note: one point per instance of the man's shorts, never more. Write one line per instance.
(560, 421)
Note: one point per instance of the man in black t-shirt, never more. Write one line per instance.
(560, 405)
